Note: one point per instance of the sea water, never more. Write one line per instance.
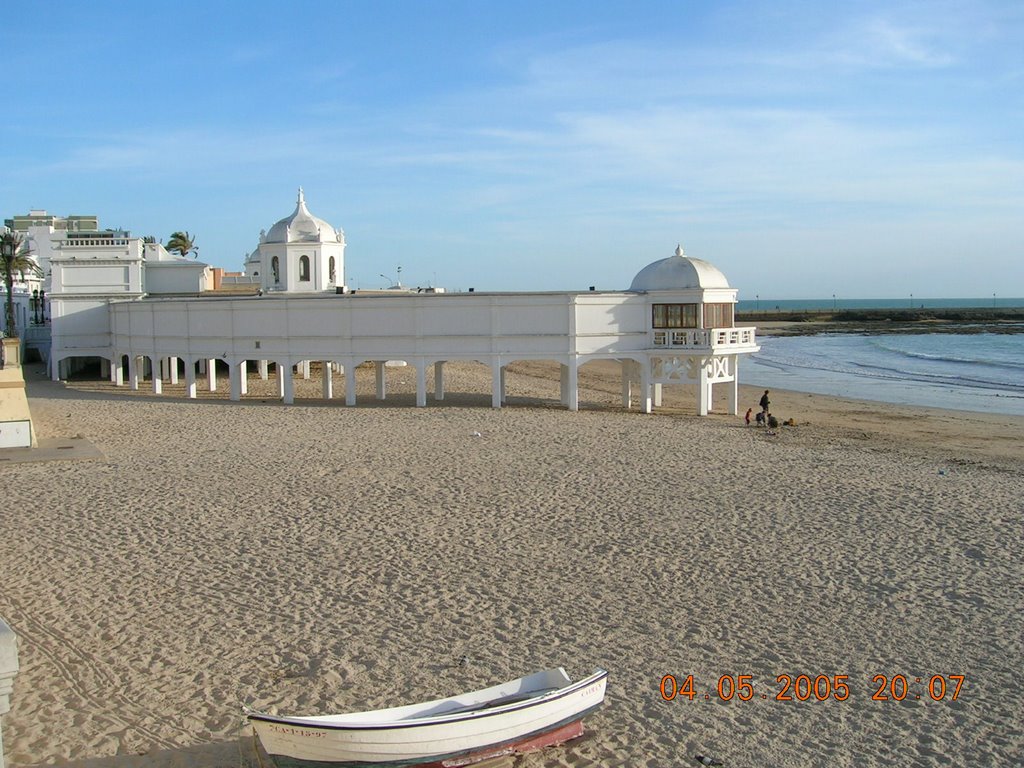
(969, 372)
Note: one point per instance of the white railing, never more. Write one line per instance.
(703, 338)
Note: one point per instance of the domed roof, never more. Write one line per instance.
(302, 227)
(678, 272)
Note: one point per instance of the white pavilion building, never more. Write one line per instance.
(674, 325)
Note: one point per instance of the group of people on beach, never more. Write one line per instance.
(764, 417)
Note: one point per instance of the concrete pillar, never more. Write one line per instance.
(211, 373)
(264, 367)
(8, 671)
(496, 373)
(421, 383)
(734, 385)
(190, 378)
(234, 382)
(627, 383)
(305, 369)
(657, 395)
(158, 382)
(573, 386)
(328, 379)
(117, 372)
(133, 372)
(378, 369)
(288, 385)
(504, 389)
(350, 383)
(703, 388)
(172, 362)
(439, 380)
(243, 377)
(645, 386)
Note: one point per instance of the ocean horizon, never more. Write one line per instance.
(982, 372)
(908, 302)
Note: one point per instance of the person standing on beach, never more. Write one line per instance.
(747, 417)
(764, 403)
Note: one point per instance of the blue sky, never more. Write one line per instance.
(806, 149)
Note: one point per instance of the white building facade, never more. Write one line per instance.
(674, 325)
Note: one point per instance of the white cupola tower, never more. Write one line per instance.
(302, 253)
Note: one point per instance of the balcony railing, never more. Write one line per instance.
(703, 338)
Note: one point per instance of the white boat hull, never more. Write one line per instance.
(460, 734)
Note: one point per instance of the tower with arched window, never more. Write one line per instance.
(302, 253)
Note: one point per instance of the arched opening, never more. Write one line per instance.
(275, 267)
(304, 269)
(330, 270)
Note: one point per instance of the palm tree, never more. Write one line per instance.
(183, 244)
(15, 259)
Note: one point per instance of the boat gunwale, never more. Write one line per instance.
(455, 717)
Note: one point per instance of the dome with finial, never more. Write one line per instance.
(303, 227)
(678, 272)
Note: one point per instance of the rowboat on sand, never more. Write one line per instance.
(536, 711)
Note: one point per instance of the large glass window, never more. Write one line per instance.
(718, 315)
(674, 315)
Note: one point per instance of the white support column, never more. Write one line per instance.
(627, 383)
(504, 394)
(133, 372)
(421, 383)
(378, 369)
(190, 378)
(703, 388)
(280, 378)
(243, 375)
(305, 369)
(439, 380)
(496, 373)
(645, 386)
(158, 382)
(8, 671)
(288, 382)
(350, 383)
(657, 395)
(264, 370)
(328, 379)
(211, 374)
(173, 362)
(234, 381)
(573, 386)
(734, 385)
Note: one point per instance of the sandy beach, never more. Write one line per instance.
(314, 558)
